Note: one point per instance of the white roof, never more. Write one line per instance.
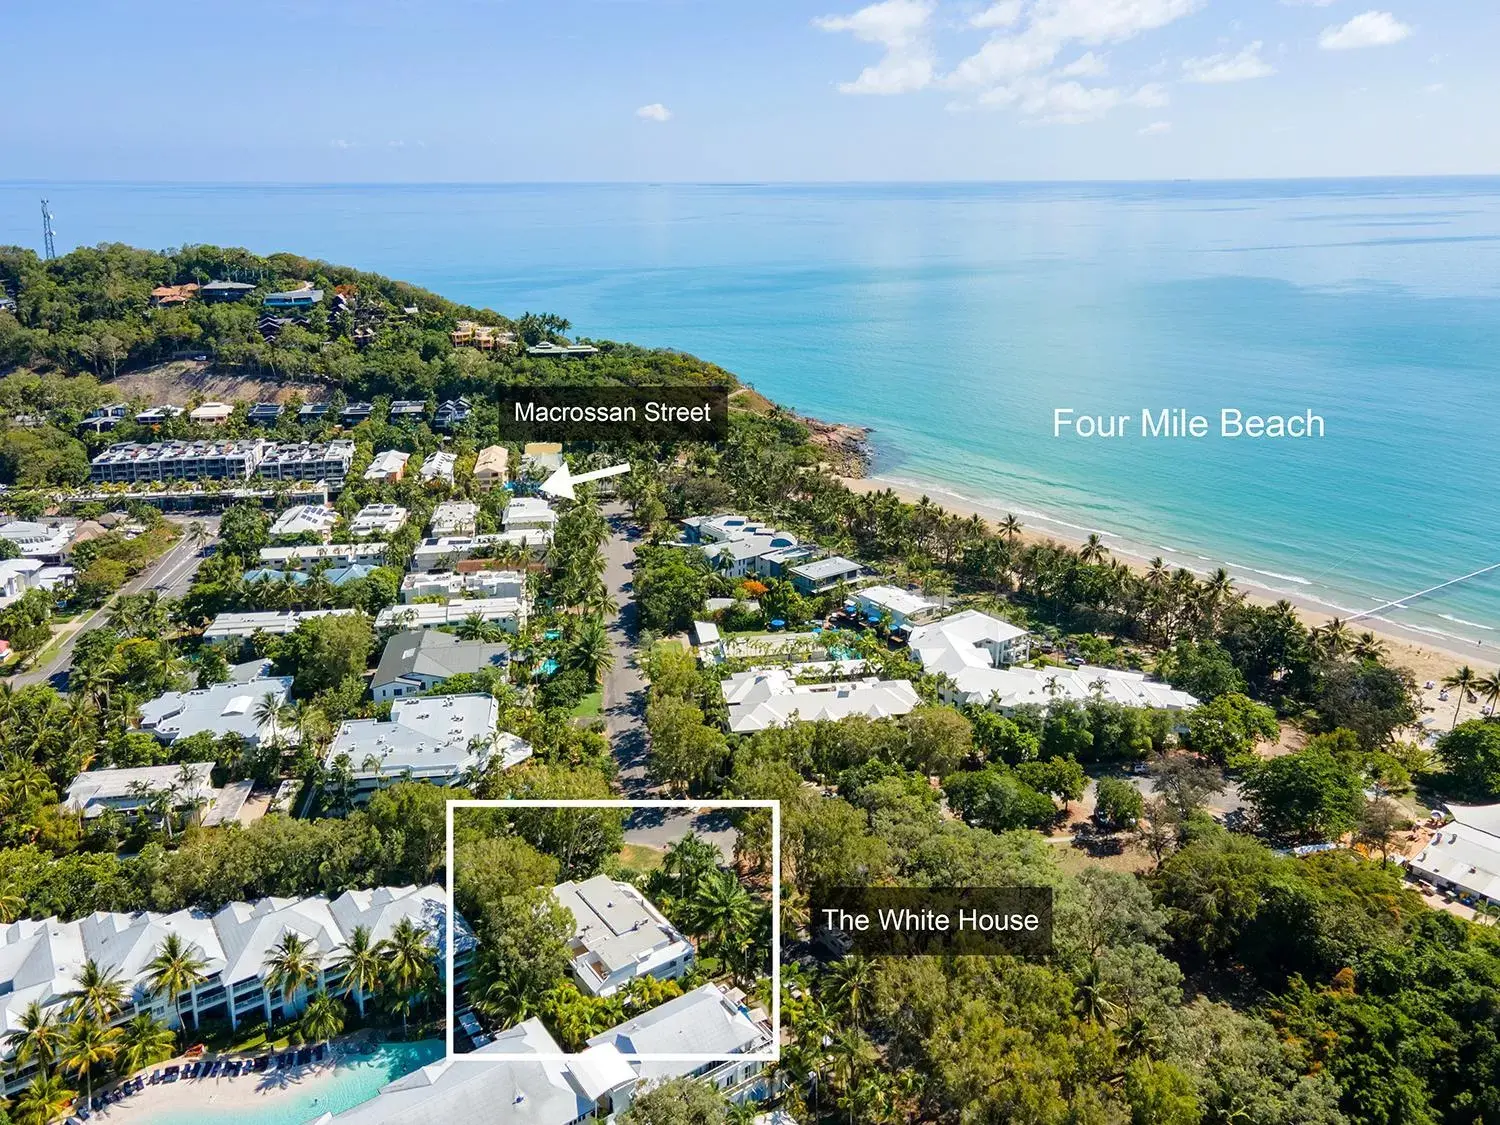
(895, 600)
(438, 464)
(1485, 818)
(302, 518)
(94, 790)
(1464, 855)
(378, 517)
(227, 708)
(434, 738)
(272, 622)
(529, 511)
(614, 922)
(704, 1021)
(347, 552)
(454, 517)
(599, 1069)
(771, 697)
(426, 615)
(385, 463)
(827, 568)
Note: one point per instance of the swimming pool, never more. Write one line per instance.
(355, 1079)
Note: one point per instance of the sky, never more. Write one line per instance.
(747, 90)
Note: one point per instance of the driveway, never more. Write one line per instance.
(661, 828)
(624, 687)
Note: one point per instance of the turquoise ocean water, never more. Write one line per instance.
(955, 318)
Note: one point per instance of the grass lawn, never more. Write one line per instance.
(638, 857)
(591, 706)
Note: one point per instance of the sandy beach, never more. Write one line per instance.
(1409, 649)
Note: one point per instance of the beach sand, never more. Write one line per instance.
(248, 1094)
(1411, 650)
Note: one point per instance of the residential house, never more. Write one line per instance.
(311, 413)
(490, 467)
(525, 513)
(226, 291)
(541, 458)
(415, 661)
(303, 298)
(355, 413)
(378, 519)
(453, 517)
(454, 585)
(128, 791)
(388, 465)
(220, 709)
(485, 337)
(561, 351)
(102, 419)
(451, 413)
(305, 519)
(265, 413)
(740, 547)
(164, 296)
(407, 410)
(274, 623)
(439, 739)
(825, 574)
(903, 609)
(508, 613)
(618, 936)
(438, 467)
(17, 576)
(771, 697)
(159, 414)
(211, 413)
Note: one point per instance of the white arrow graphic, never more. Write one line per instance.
(562, 481)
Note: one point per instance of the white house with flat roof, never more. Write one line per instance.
(305, 519)
(463, 584)
(38, 540)
(904, 608)
(525, 513)
(378, 519)
(1463, 856)
(228, 708)
(447, 552)
(771, 697)
(453, 517)
(439, 738)
(970, 651)
(619, 935)
(825, 574)
(128, 790)
(508, 613)
(276, 623)
(337, 554)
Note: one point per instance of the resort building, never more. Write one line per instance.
(439, 739)
(466, 584)
(305, 519)
(1463, 856)
(561, 351)
(508, 613)
(302, 298)
(378, 519)
(453, 517)
(102, 419)
(41, 959)
(771, 697)
(971, 650)
(128, 791)
(273, 623)
(902, 608)
(126, 462)
(447, 552)
(418, 660)
(34, 540)
(308, 460)
(619, 935)
(339, 554)
(825, 574)
(490, 467)
(211, 413)
(439, 467)
(530, 1092)
(739, 547)
(311, 412)
(228, 708)
(486, 337)
(226, 290)
(525, 513)
(539, 458)
(388, 466)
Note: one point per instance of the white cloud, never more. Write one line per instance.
(1225, 67)
(1155, 129)
(654, 112)
(1153, 95)
(1086, 65)
(1002, 58)
(1370, 29)
(341, 143)
(1005, 13)
(1106, 21)
(900, 26)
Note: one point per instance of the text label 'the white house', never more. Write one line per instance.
(1176, 422)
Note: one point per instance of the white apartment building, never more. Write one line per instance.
(38, 540)
(619, 935)
(389, 465)
(308, 460)
(508, 613)
(771, 697)
(305, 519)
(447, 552)
(378, 519)
(468, 584)
(338, 554)
(126, 462)
(526, 513)
(275, 623)
(904, 608)
(453, 517)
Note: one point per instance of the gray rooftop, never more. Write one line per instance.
(701, 1022)
(431, 652)
(613, 922)
(827, 568)
(227, 708)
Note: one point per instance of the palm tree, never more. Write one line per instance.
(146, 1040)
(176, 968)
(722, 910)
(291, 966)
(361, 964)
(1463, 681)
(1486, 687)
(37, 1035)
(408, 965)
(267, 713)
(99, 994)
(44, 1101)
(323, 1018)
(1093, 550)
(1367, 646)
(591, 651)
(851, 980)
(86, 1046)
(10, 907)
(1333, 638)
(689, 858)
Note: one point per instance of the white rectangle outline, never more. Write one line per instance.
(773, 1056)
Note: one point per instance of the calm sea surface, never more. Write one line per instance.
(955, 318)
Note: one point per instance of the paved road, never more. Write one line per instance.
(171, 575)
(624, 689)
(661, 828)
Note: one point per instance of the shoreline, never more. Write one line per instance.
(1428, 659)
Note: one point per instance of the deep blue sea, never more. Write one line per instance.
(955, 318)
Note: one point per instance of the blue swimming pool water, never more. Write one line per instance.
(354, 1080)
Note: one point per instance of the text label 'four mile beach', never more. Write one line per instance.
(1170, 422)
